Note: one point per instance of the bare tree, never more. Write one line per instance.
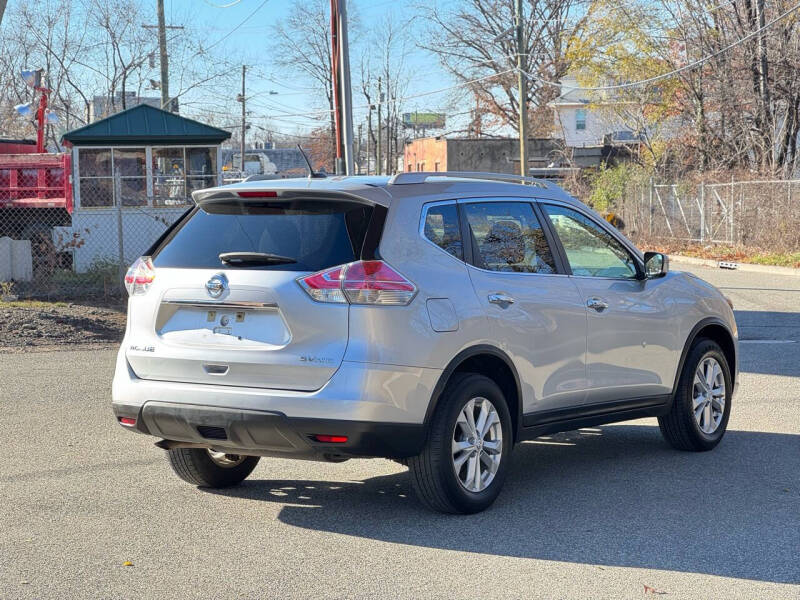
(48, 36)
(302, 48)
(384, 59)
(125, 49)
(474, 40)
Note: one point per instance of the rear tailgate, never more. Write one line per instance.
(207, 322)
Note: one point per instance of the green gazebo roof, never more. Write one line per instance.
(145, 125)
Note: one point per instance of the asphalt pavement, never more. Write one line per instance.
(606, 512)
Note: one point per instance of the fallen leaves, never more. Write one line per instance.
(652, 590)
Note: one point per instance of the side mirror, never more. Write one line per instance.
(655, 265)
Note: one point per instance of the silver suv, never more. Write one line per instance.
(432, 318)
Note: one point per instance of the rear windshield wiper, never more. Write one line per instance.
(242, 259)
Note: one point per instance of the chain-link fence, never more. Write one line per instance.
(51, 249)
(60, 244)
(763, 214)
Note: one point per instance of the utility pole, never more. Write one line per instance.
(388, 134)
(162, 48)
(2, 10)
(340, 80)
(345, 90)
(523, 89)
(335, 86)
(378, 157)
(369, 136)
(358, 146)
(242, 99)
(166, 101)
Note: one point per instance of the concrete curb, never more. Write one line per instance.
(705, 262)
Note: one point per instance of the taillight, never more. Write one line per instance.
(325, 286)
(360, 282)
(258, 194)
(140, 276)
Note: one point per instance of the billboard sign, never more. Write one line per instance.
(424, 120)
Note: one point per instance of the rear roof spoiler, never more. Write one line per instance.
(260, 194)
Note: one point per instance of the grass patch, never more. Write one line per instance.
(787, 259)
(739, 254)
(37, 304)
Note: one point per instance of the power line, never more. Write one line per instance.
(628, 85)
(410, 97)
(228, 5)
(686, 67)
(232, 31)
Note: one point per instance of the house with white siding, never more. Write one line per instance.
(585, 119)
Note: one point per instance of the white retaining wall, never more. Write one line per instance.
(97, 233)
(16, 260)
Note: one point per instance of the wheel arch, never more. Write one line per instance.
(714, 329)
(491, 362)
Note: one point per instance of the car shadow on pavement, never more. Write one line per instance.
(613, 496)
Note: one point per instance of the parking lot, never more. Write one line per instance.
(603, 512)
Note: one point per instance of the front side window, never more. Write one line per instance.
(508, 237)
(441, 228)
(591, 250)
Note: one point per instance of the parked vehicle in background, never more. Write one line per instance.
(432, 318)
(35, 197)
(255, 163)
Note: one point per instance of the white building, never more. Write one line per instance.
(105, 106)
(586, 120)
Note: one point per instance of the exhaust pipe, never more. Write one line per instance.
(170, 444)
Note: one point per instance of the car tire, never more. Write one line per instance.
(696, 422)
(206, 468)
(439, 483)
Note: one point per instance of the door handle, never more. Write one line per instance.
(502, 300)
(597, 304)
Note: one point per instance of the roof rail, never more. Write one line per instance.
(411, 177)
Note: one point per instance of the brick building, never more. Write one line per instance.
(478, 154)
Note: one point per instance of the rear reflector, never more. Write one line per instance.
(360, 282)
(127, 421)
(257, 194)
(331, 439)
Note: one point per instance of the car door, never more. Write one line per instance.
(535, 311)
(629, 330)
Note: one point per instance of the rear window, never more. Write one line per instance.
(316, 234)
(442, 228)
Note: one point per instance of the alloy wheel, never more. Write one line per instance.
(477, 445)
(708, 395)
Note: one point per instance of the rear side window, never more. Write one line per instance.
(508, 237)
(442, 228)
(316, 234)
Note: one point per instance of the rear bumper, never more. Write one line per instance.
(380, 408)
(264, 433)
